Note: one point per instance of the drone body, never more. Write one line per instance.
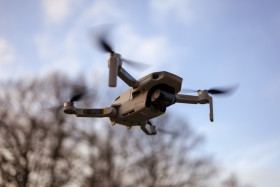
(146, 98)
(138, 105)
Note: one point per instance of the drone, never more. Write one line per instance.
(147, 98)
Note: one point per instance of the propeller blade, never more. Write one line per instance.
(137, 65)
(99, 35)
(77, 97)
(104, 44)
(215, 91)
(222, 91)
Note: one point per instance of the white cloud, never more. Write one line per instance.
(179, 10)
(154, 48)
(258, 165)
(101, 12)
(43, 43)
(151, 49)
(50, 45)
(67, 65)
(56, 11)
(60, 52)
(130, 43)
(6, 52)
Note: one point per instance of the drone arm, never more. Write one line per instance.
(115, 69)
(102, 112)
(69, 108)
(127, 78)
(202, 98)
(187, 99)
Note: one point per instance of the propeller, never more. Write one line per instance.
(216, 91)
(77, 97)
(105, 46)
(83, 95)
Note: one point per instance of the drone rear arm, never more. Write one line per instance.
(202, 98)
(69, 108)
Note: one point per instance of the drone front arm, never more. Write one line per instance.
(202, 98)
(69, 108)
(127, 78)
(180, 98)
(115, 69)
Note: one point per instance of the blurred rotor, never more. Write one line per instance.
(216, 91)
(105, 45)
(77, 97)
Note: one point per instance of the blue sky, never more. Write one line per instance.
(207, 43)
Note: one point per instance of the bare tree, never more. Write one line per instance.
(42, 146)
(130, 158)
(37, 142)
(167, 159)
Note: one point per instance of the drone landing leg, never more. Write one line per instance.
(203, 98)
(153, 129)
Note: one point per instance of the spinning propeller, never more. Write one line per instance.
(83, 94)
(215, 91)
(107, 47)
(77, 97)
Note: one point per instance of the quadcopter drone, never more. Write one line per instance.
(147, 98)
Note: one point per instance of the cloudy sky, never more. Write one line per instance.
(207, 43)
